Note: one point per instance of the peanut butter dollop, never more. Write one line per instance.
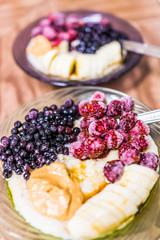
(54, 192)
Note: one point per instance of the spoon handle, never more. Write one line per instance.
(150, 117)
(141, 48)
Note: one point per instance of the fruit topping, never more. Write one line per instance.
(113, 139)
(77, 150)
(128, 121)
(140, 128)
(127, 104)
(85, 122)
(98, 96)
(113, 170)
(98, 128)
(130, 156)
(149, 159)
(83, 108)
(97, 109)
(94, 146)
(110, 122)
(83, 136)
(39, 139)
(114, 108)
(141, 142)
(124, 147)
(126, 136)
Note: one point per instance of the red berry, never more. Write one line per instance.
(127, 104)
(97, 109)
(140, 128)
(113, 139)
(77, 150)
(94, 146)
(56, 42)
(113, 170)
(98, 128)
(141, 142)
(130, 156)
(57, 18)
(124, 147)
(149, 159)
(49, 32)
(44, 22)
(98, 96)
(71, 21)
(85, 122)
(72, 34)
(125, 135)
(128, 121)
(110, 122)
(104, 154)
(83, 108)
(83, 136)
(114, 108)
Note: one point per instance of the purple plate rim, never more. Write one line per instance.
(130, 62)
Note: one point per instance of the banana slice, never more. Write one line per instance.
(47, 58)
(62, 65)
(114, 205)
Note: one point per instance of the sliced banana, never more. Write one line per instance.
(47, 58)
(62, 65)
(98, 215)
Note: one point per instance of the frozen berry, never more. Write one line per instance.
(94, 146)
(83, 136)
(98, 128)
(114, 108)
(127, 104)
(113, 139)
(71, 21)
(44, 22)
(85, 122)
(113, 170)
(124, 147)
(36, 31)
(149, 159)
(97, 109)
(110, 122)
(83, 108)
(104, 154)
(125, 135)
(57, 18)
(140, 128)
(98, 96)
(130, 156)
(141, 142)
(56, 42)
(49, 32)
(77, 150)
(128, 121)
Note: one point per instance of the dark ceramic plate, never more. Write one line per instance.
(23, 38)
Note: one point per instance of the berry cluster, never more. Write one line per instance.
(39, 139)
(100, 132)
(91, 36)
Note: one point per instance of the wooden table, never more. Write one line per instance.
(17, 88)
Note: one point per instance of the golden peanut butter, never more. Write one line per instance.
(54, 192)
(39, 46)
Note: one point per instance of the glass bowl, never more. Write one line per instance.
(145, 225)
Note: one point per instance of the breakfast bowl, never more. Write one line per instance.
(80, 66)
(145, 223)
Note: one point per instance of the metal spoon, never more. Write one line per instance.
(150, 116)
(141, 48)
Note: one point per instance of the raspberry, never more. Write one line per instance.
(83, 108)
(141, 142)
(98, 128)
(125, 135)
(149, 159)
(128, 121)
(124, 147)
(104, 154)
(77, 150)
(110, 122)
(83, 136)
(85, 122)
(94, 146)
(97, 109)
(127, 104)
(140, 128)
(113, 139)
(113, 170)
(114, 108)
(130, 156)
(98, 96)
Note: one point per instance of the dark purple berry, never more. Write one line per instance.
(7, 173)
(113, 170)
(17, 124)
(26, 175)
(5, 141)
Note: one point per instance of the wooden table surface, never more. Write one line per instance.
(17, 88)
